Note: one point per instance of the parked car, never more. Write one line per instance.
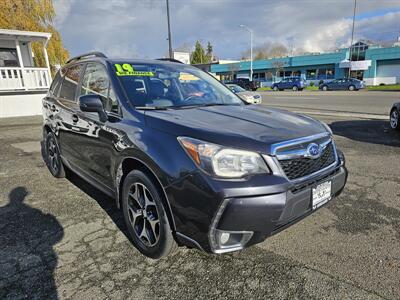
(197, 168)
(394, 116)
(351, 84)
(292, 83)
(245, 83)
(249, 97)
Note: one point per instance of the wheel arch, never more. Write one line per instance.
(132, 163)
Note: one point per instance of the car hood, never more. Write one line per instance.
(247, 127)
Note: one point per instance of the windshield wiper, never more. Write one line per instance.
(206, 105)
(151, 107)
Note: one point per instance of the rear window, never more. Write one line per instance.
(70, 83)
(56, 84)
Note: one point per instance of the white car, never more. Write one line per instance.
(249, 97)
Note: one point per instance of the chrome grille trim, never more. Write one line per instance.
(299, 153)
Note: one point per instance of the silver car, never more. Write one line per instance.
(249, 97)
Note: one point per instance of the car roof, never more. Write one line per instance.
(129, 61)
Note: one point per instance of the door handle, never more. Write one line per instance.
(75, 118)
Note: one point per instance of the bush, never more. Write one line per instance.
(312, 83)
(382, 84)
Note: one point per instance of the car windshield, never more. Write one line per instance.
(236, 88)
(172, 86)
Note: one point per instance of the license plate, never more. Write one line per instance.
(321, 194)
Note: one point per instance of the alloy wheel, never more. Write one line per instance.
(143, 214)
(394, 119)
(54, 159)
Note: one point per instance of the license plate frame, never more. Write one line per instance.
(321, 194)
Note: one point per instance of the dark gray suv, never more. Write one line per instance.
(186, 160)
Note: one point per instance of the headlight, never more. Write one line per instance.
(223, 162)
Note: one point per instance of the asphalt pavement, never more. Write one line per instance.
(367, 103)
(61, 238)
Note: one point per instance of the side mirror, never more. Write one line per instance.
(92, 103)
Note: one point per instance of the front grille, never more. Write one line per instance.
(300, 167)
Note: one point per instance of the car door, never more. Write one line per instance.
(98, 144)
(69, 125)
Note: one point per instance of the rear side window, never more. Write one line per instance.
(70, 82)
(56, 84)
(96, 81)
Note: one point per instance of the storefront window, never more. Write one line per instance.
(322, 73)
(330, 73)
(296, 73)
(311, 74)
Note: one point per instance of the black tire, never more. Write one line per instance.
(295, 88)
(395, 119)
(53, 157)
(352, 88)
(275, 88)
(146, 220)
(324, 88)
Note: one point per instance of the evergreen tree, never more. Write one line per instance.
(198, 56)
(209, 53)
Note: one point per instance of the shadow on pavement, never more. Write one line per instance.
(106, 203)
(27, 258)
(367, 131)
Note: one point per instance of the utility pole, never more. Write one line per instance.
(352, 35)
(169, 33)
(251, 50)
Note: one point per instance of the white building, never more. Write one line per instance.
(22, 85)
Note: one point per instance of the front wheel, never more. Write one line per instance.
(275, 88)
(394, 119)
(145, 216)
(325, 88)
(352, 88)
(295, 88)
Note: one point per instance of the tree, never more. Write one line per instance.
(266, 51)
(34, 15)
(198, 56)
(209, 52)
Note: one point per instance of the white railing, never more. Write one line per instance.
(14, 79)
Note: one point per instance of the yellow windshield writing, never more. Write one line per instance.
(127, 70)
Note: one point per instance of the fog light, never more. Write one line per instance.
(227, 241)
(224, 238)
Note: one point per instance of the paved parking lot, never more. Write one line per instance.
(62, 238)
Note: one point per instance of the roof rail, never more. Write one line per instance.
(86, 55)
(171, 60)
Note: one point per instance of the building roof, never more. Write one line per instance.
(9, 34)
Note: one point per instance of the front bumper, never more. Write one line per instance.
(266, 215)
(250, 211)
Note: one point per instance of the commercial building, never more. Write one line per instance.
(22, 84)
(371, 63)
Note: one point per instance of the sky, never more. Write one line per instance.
(138, 28)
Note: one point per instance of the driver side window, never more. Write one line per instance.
(96, 81)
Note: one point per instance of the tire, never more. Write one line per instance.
(352, 88)
(394, 119)
(145, 216)
(53, 157)
(295, 88)
(325, 88)
(275, 88)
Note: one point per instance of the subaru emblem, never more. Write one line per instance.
(313, 151)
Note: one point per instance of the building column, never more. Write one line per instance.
(21, 65)
(46, 58)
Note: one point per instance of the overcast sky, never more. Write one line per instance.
(138, 28)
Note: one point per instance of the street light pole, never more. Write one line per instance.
(169, 33)
(251, 50)
(352, 36)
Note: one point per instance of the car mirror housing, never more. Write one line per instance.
(92, 103)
